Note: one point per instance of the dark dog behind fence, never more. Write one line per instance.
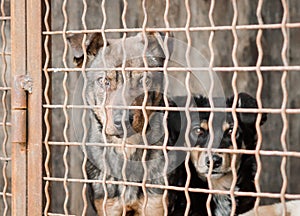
(247, 53)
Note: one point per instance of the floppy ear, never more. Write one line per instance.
(93, 43)
(156, 44)
(247, 101)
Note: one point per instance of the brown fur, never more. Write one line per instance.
(107, 89)
(292, 209)
(154, 207)
(93, 43)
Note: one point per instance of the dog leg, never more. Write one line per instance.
(154, 206)
(113, 207)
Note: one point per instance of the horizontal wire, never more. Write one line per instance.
(58, 214)
(183, 69)
(5, 53)
(4, 18)
(180, 29)
(181, 148)
(176, 188)
(5, 194)
(5, 88)
(5, 159)
(191, 109)
(6, 124)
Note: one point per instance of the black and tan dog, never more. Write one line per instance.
(221, 176)
(109, 89)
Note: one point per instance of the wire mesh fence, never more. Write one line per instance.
(5, 155)
(127, 131)
(219, 49)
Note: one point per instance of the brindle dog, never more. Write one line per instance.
(108, 89)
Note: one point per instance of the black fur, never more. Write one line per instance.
(246, 136)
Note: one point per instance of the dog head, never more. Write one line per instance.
(222, 125)
(110, 88)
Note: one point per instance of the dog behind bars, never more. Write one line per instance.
(245, 138)
(221, 176)
(107, 91)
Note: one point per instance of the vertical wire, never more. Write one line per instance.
(85, 131)
(234, 115)
(144, 109)
(46, 116)
(187, 105)
(166, 79)
(65, 154)
(259, 103)
(210, 120)
(103, 107)
(5, 112)
(284, 104)
(124, 103)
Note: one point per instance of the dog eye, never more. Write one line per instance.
(103, 81)
(147, 81)
(229, 131)
(198, 131)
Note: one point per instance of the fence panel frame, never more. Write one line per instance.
(35, 115)
(27, 155)
(18, 68)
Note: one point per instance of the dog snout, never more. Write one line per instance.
(118, 119)
(217, 161)
(118, 122)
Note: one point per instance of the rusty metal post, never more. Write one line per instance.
(35, 115)
(18, 104)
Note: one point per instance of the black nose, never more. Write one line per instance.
(217, 161)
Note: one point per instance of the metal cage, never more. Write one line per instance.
(239, 46)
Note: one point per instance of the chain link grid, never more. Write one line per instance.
(5, 152)
(258, 68)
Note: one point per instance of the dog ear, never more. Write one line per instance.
(247, 101)
(93, 43)
(156, 44)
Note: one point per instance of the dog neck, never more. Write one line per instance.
(222, 202)
(222, 183)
